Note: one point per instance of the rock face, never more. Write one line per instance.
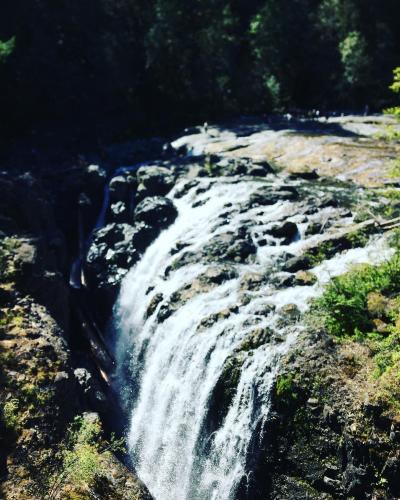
(317, 443)
(116, 247)
(154, 181)
(42, 390)
(157, 211)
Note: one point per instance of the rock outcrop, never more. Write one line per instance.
(44, 385)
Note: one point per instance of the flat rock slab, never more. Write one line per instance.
(348, 147)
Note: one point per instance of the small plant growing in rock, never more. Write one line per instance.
(286, 389)
(82, 455)
(10, 414)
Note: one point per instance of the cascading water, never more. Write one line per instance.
(184, 319)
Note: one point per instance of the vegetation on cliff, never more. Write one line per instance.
(363, 305)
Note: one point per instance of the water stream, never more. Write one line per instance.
(169, 364)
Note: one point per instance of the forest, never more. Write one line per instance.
(145, 66)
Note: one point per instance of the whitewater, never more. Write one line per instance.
(169, 365)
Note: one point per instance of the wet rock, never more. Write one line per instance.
(289, 313)
(252, 281)
(112, 252)
(218, 274)
(298, 263)
(288, 231)
(282, 279)
(264, 197)
(210, 320)
(156, 211)
(158, 297)
(259, 170)
(186, 187)
(305, 278)
(206, 281)
(237, 247)
(154, 181)
(113, 233)
(314, 228)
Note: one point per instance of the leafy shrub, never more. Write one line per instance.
(395, 87)
(363, 305)
(83, 454)
(344, 304)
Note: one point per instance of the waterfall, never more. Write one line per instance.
(170, 364)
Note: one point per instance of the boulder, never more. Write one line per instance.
(305, 278)
(154, 181)
(306, 174)
(113, 233)
(297, 263)
(287, 231)
(111, 254)
(237, 247)
(156, 211)
(263, 197)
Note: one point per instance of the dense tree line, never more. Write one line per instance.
(161, 62)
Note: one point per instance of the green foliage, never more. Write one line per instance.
(344, 304)
(83, 455)
(395, 168)
(174, 60)
(353, 51)
(392, 133)
(6, 48)
(10, 415)
(363, 305)
(286, 389)
(211, 168)
(358, 238)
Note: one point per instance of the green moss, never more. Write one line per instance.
(394, 170)
(307, 487)
(285, 389)
(323, 251)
